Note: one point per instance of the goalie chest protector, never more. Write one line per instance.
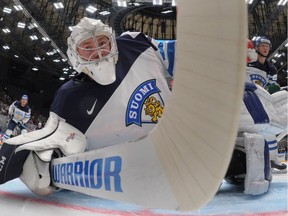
(125, 110)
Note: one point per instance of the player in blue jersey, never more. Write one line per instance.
(118, 96)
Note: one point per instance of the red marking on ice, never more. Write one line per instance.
(276, 213)
(145, 212)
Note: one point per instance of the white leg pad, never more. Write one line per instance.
(36, 175)
(255, 182)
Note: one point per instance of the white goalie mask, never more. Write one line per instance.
(92, 49)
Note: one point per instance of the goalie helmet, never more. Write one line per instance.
(92, 49)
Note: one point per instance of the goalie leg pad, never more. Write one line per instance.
(36, 175)
(255, 182)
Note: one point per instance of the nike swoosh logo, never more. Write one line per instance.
(89, 112)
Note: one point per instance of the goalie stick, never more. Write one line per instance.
(178, 166)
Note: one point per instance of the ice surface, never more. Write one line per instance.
(16, 199)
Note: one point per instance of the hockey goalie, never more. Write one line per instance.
(118, 96)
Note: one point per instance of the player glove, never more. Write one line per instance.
(57, 134)
(273, 88)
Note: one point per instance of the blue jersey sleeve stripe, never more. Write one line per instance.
(171, 57)
(167, 50)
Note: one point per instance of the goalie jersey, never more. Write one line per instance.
(127, 109)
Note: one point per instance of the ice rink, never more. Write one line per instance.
(16, 199)
(204, 111)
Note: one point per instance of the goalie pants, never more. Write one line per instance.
(11, 163)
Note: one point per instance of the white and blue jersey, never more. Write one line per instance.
(261, 74)
(127, 109)
(167, 50)
(19, 113)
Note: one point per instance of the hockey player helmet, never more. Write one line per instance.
(24, 100)
(24, 97)
(92, 49)
(263, 39)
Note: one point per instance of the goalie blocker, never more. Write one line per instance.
(250, 164)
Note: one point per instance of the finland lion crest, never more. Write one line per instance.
(145, 104)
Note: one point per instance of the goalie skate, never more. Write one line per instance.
(278, 168)
(277, 171)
